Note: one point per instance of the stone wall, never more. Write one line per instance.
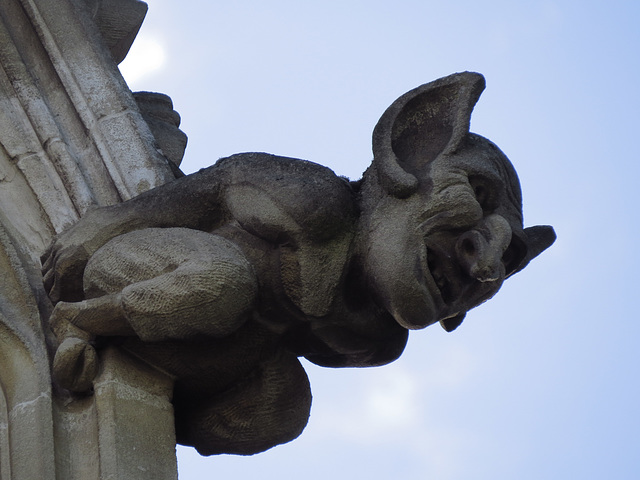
(71, 138)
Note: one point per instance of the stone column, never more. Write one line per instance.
(123, 430)
(135, 420)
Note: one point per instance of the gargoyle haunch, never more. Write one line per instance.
(224, 277)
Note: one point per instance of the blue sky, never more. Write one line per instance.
(539, 383)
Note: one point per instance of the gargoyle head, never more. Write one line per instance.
(444, 215)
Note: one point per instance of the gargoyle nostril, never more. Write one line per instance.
(468, 247)
(477, 257)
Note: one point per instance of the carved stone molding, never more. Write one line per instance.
(70, 129)
(71, 138)
(26, 423)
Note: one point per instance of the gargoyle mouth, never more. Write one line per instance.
(443, 269)
(439, 268)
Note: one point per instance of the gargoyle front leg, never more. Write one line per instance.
(102, 316)
(75, 364)
(158, 285)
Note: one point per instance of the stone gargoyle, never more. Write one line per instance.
(223, 278)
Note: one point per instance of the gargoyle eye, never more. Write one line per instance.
(485, 192)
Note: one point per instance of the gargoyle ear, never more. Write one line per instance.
(421, 125)
(539, 238)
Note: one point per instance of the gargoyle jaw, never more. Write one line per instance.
(450, 324)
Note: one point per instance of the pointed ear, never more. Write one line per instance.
(421, 125)
(539, 238)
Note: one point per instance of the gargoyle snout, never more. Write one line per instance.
(480, 250)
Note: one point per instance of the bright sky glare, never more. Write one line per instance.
(146, 57)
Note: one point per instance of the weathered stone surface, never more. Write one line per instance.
(118, 22)
(133, 406)
(26, 421)
(260, 259)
